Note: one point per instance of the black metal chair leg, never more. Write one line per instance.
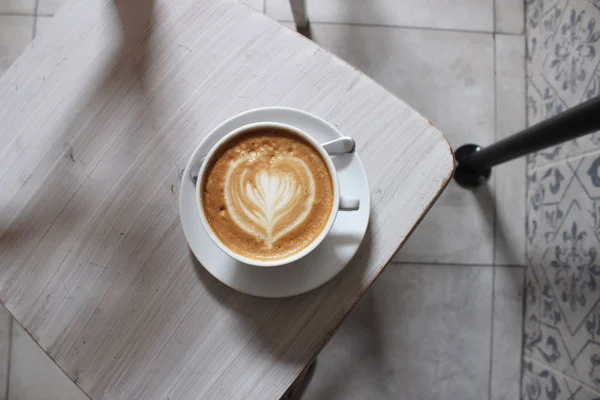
(474, 163)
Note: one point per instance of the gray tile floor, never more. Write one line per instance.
(444, 320)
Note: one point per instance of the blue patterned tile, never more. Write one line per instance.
(542, 338)
(542, 19)
(562, 296)
(593, 88)
(563, 67)
(542, 383)
(588, 362)
(574, 54)
(545, 213)
(588, 173)
(561, 339)
(543, 103)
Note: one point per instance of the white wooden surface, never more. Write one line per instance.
(97, 120)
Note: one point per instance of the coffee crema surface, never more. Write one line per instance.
(267, 194)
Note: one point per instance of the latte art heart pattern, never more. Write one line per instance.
(267, 194)
(269, 201)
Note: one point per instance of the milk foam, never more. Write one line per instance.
(269, 201)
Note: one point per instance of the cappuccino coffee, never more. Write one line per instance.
(267, 193)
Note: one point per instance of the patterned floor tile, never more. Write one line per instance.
(570, 67)
(543, 383)
(563, 53)
(421, 332)
(472, 15)
(542, 340)
(544, 103)
(540, 383)
(562, 321)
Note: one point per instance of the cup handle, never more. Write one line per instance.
(349, 203)
(343, 145)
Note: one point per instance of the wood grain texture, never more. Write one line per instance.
(97, 119)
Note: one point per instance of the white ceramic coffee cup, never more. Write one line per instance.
(340, 203)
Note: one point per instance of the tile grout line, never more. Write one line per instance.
(494, 209)
(562, 374)
(17, 14)
(526, 172)
(9, 358)
(523, 305)
(523, 32)
(494, 18)
(35, 21)
(525, 249)
(495, 108)
(47, 354)
(492, 334)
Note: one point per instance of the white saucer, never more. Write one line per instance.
(308, 273)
